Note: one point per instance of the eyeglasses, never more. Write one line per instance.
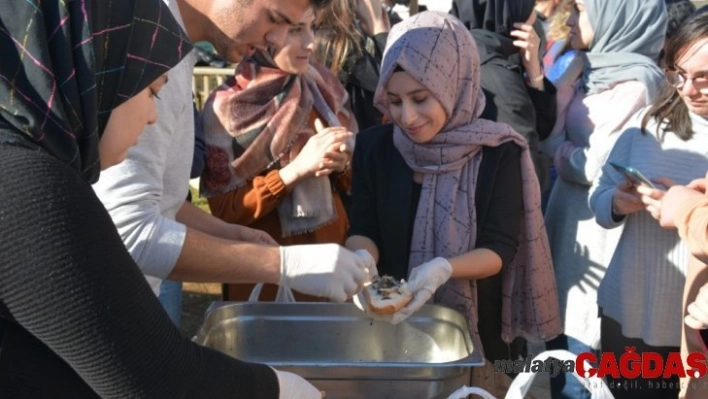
(678, 79)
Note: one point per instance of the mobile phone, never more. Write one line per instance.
(632, 174)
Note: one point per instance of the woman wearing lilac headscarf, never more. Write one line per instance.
(448, 200)
(621, 42)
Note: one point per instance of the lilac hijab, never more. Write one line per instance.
(438, 51)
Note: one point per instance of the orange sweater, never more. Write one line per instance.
(255, 205)
(692, 224)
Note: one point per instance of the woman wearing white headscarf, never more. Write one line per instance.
(623, 40)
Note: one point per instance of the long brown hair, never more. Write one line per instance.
(668, 107)
(336, 35)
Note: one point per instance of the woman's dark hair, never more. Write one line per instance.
(668, 107)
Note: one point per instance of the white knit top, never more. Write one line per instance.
(643, 285)
(581, 248)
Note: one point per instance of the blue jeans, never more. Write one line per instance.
(564, 385)
(171, 299)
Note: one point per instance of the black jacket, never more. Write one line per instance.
(103, 333)
(361, 76)
(385, 201)
(528, 111)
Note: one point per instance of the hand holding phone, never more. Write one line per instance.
(632, 174)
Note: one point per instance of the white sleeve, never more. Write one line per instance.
(144, 192)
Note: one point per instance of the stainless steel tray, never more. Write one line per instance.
(341, 351)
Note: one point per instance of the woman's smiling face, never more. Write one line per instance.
(414, 108)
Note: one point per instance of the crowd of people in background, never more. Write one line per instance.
(480, 154)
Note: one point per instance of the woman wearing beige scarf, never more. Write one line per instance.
(450, 201)
(270, 165)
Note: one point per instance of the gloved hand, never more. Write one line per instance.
(359, 299)
(368, 263)
(422, 283)
(327, 270)
(292, 386)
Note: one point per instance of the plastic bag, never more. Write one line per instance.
(465, 391)
(522, 383)
(284, 294)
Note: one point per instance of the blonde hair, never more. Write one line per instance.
(337, 36)
(558, 30)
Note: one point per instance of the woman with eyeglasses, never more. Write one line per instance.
(685, 208)
(641, 293)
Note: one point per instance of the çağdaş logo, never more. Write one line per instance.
(628, 365)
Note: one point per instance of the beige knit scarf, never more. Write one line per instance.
(258, 120)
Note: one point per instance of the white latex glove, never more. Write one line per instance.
(292, 386)
(368, 263)
(422, 283)
(326, 270)
(359, 299)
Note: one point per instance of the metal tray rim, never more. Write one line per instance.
(474, 359)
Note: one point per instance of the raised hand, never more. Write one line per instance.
(529, 44)
(320, 156)
(372, 17)
(337, 157)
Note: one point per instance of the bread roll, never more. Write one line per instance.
(385, 295)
